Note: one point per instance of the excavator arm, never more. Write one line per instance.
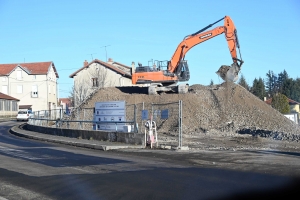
(194, 39)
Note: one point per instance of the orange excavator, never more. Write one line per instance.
(164, 75)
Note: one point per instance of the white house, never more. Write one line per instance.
(98, 74)
(34, 84)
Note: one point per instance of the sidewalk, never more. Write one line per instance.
(91, 144)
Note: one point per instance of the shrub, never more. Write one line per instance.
(281, 103)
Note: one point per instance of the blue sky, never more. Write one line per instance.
(69, 32)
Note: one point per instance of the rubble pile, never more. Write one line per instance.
(216, 109)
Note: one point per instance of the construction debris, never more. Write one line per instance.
(217, 109)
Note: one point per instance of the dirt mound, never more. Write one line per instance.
(227, 107)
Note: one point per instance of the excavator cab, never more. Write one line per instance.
(183, 72)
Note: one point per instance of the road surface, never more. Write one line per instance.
(32, 169)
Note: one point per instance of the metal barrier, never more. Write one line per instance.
(167, 116)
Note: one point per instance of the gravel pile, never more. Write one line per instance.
(224, 109)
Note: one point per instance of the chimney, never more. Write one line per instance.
(85, 63)
(132, 67)
(110, 61)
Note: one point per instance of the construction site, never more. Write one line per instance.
(224, 116)
(226, 112)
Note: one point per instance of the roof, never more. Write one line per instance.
(291, 102)
(269, 101)
(121, 69)
(37, 68)
(64, 100)
(7, 97)
(25, 107)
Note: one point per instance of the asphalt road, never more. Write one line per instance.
(36, 170)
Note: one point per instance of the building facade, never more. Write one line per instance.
(34, 84)
(294, 108)
(98, 74)
(8, 106)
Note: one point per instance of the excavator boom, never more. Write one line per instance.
(194, 39)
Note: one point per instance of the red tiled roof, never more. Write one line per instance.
(5, 69)
(291, 102)
(64, 100)
(269, 101)
(7, 97)
(113, 68)
(38, 68)
(122, 65)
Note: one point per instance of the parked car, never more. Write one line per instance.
(24, 115)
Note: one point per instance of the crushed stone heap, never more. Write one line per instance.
(227, 107)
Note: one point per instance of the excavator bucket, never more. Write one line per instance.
(229, 73)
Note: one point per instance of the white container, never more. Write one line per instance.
(127, 128)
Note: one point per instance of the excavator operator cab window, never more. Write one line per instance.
(143, 69)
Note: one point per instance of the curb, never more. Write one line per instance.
(18, 132)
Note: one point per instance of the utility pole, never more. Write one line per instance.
(105, 50)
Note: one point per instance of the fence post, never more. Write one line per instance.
(78, 116)
(83, 113)
(180, 124)
(134, 119)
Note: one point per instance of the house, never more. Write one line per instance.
(8, 106)
(64, 103)
(98, 74)
(294, 107)
(34, 84)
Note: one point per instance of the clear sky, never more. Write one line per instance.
(69, 32)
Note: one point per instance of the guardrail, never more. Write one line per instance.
(57, 123)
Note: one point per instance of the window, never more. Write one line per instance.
(1, 104)
(6, 105)
(14, 105)
(19, 89)
(3, 78)
(19, 75)
(4, 89)
(34, 91)
(33, 77)
(95, 82)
